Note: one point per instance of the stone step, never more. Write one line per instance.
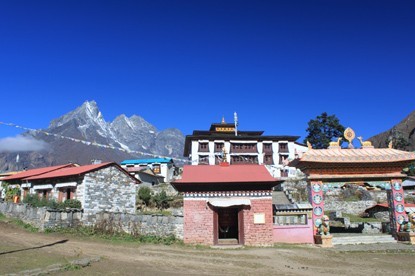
(228, 242)
(363, 239)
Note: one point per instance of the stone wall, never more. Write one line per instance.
(107, 190)
(43, 218)
(157, 225)
(349, 207)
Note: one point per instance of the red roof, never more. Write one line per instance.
(70, 171)
(34, 172)
(64, 171)
(225, 174)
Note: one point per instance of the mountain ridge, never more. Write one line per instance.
(402, 134)
(87, 123)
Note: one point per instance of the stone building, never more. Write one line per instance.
(99, 187)
(207, 147)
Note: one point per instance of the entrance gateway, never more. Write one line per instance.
(227, 204)
(339, 166)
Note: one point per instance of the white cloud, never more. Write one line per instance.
(21, 143)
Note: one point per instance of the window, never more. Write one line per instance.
(300, 219)
(245, 159)
(268, 160)
(156, 169)
(283, 147)
(218, 147)
(247, 148)
(203, 160)
(43, 194)
(203, 147)
(267, 147)
(65, 194)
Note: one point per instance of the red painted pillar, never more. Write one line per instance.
(316, 200)
(396, 205)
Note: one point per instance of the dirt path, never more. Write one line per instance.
(21, 250)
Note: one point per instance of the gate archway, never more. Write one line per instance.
(355, 165)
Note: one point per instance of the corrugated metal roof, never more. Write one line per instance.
(147, 161)
(34, 172)
(70, 171)
(225, 174)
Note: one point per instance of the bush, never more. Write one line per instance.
(72, 203)
(162, 200)
(35, 201)
(144, 194)
(11, 192)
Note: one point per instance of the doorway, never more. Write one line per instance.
(228, 226)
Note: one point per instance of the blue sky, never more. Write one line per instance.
(185, 64)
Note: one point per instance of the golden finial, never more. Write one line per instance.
(223, 120)
(390, 144)
(349, 135)
(309, 145)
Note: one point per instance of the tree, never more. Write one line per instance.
(323, 129)
(398, 139)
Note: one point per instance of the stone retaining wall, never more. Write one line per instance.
(157, 225)
(44, 218)
(349, 207)
(41, 218)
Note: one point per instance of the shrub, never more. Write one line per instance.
(35, 201)
(11, 192)
(144, 194)
(162, 200)
(72, 203)
(177, 201)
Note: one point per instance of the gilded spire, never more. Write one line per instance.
(223, 120)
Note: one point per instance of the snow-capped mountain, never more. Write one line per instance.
(87, 123)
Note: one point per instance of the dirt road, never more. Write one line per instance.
(21, 250)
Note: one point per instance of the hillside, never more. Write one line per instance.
(402, 133)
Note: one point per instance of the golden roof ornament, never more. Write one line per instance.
(223, 120)
(309, 145)
(349, 135)
(390, 144)
(335, 144)
(365, 144)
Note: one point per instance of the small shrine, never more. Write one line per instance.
(227, 204)
(336, 166)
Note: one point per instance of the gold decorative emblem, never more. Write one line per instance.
(335, 143)
(225, 129)
(349, 134)
(364, 143)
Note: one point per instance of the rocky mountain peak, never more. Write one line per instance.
(85, 126)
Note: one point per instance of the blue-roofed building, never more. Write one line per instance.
(160, 166)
